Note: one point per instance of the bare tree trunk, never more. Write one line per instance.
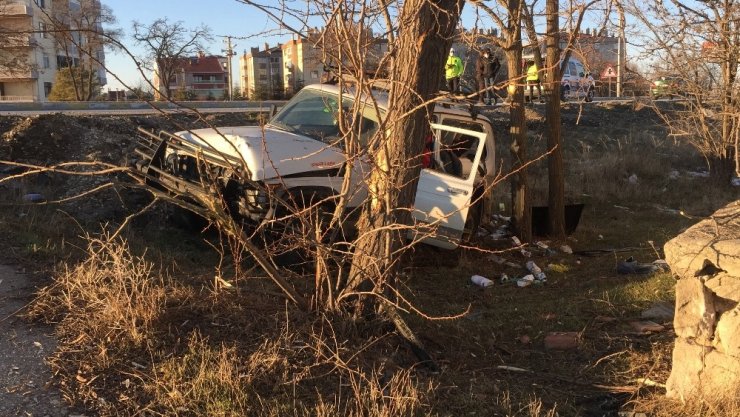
(556, 181)
(428, 28)
(521, 201)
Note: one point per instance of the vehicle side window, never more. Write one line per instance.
(457, 151)
(572, 69)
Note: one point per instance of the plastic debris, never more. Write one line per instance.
(735, 182)
(525, 281)
(674, 175)
(633, 179)
(480, 281)
(566, 249)
(34, 198)
(631, 266)
(504, 279)
(698, 174)
(536, 271)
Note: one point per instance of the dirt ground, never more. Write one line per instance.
(606, 145)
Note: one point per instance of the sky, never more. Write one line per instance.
(224, 17)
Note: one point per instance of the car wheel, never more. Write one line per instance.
(565, 93)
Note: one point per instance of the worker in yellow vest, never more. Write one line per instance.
(533, 79)
(453, 71)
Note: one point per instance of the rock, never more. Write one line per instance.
(633, 179)
(646, 326)
(695, 314)
(688, 364)
(686, 253)
(561, 340)
(725, 288)
(659, 311)
(727, 335)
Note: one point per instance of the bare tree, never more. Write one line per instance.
(166, 44)
(698, 45)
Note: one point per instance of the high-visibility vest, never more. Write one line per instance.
(454, 67)
(532, 74)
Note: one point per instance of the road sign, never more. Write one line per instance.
(609, 72)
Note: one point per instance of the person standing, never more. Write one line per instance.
(533, 79)
(453, 71)
(486, 70)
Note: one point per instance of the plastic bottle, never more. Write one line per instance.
(480, 281)
(536, 271)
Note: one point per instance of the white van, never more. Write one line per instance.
(576, 82)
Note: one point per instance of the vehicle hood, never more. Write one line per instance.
(268, 153)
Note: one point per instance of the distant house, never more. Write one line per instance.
(203, 77)
(597, 50)
(261, 73)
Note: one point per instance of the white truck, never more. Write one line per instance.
(298, 153)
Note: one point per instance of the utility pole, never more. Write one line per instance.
(229, 53)
(621, 50)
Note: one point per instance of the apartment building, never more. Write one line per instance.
(261, 73)
(302, 62)
(31, 54)
(202, 77)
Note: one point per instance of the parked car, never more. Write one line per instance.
(298, 156)
(576, 83)
(669, 87)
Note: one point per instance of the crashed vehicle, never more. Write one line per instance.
(298, 156)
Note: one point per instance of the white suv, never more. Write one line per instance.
(298, 156)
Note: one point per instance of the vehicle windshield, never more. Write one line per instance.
(315, 114)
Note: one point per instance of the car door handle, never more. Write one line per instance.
(456, 191)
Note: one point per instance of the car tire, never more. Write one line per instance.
(564, 93)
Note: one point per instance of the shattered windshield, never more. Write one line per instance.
(315, 114)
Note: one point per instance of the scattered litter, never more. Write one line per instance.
(666, 209)
(500, 233)
(501, 218)
(525, 281)
(138, 365)
(536, 271)
(646, 326)
(34, 198)
(674, 175)
(512, 368)
(480, 281)
(633, 179)
(542, 245)
(504, 279)
(698, 174)
(601, 237)
(649, 382)
(549, 316)
(559, 268)
(621, 207)
(561, 340)
(631, 266)
(516, 241)
(38, 345)
(566, 249)
(735, 182)
(659, 311)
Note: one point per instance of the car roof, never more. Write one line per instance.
(381, 97)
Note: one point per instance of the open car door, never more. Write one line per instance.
(445, 190)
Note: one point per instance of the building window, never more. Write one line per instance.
(47, 89)
(47, 63)
(42, 3)
(42, 29)
(263, 77)
(314, 75)
(262, 66)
